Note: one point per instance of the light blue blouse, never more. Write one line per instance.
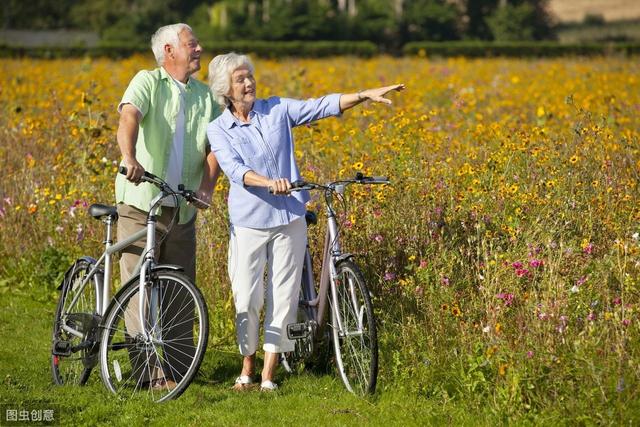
(265, 146)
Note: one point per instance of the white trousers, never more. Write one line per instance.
(281, 250)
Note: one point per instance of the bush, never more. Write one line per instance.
(516, 49)
(265, 49)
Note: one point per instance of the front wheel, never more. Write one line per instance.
(355, 341)
(73, 353)
(160, 355)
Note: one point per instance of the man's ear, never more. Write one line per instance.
(168, 51)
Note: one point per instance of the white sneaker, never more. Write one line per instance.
(243, 382)
(268, 386)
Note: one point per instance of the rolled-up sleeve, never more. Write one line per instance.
(137, 93)
(230, 161)
(302, 112)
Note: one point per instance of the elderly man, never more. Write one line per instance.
(163, 119)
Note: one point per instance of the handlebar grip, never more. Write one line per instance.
(298, 183)
(123, 170)
(380, 178)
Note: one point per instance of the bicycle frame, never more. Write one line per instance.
(331, 255)
(143, 267)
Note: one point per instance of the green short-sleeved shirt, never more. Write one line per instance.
(158, 98)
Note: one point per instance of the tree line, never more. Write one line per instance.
(388, 23)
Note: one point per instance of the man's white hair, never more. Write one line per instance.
(220, 69)
(169, 34)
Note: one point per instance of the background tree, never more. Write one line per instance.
(429, 20)
(388, 23)
(520, 20)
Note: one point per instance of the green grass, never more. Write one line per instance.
(26, 316)
(305, 399)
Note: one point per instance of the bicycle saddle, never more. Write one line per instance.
(99, 211)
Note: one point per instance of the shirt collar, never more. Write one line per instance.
(229, 121)
(165, 75)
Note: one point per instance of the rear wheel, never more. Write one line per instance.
(161, 357)
(73, 353)
(354, 335)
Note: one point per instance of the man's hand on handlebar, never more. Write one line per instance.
(134, 170)
(202, 199)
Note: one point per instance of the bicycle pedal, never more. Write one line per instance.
(298, 331)
(62, 348)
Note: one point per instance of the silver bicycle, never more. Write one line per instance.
(351, 326)
(152, 336)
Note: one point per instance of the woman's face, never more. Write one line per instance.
(243, 86)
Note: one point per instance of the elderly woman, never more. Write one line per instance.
(253, 142)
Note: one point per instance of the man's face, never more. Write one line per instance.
(186, 55)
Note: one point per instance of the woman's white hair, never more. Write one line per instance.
(169, 34)
(220, 69)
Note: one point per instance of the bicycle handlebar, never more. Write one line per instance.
(301, 184)
(189, 195)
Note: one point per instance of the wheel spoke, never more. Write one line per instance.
(172, 347)
(356, 344)
(74, 327)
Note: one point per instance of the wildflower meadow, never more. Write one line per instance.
(503, 259)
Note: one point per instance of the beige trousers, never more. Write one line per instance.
(178, 247)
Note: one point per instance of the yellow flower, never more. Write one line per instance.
(502, 369)
(357, 166)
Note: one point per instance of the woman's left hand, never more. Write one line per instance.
(377, 95)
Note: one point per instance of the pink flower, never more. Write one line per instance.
(423, 263)
(617, 301)
(522, 272)
(378, 238)
(388, 276)
(588, 249)
(506, 298)
(529, 354)
(626, 322)
(581, 281)
(517, 265)
(444, 281)
(591, 316)
(535, 263)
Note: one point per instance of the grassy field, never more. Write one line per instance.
(504, 260)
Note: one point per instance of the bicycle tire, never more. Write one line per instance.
(177, 346)
(73, 357)
(355, 346)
